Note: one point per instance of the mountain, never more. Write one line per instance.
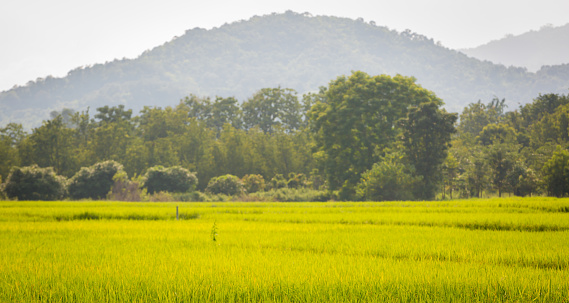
(532, 50)
(290, 50)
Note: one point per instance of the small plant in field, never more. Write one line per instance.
(214, 232)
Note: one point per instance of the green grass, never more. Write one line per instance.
(497, 250)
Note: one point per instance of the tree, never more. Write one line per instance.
(214, 114)
(478, 115)
(94, 182)
(427, 133)
(225, 111)
(156, 123)
(34, 183)
(109, 140)
(477, 176)
(358, 115)
(500, 160)
(556, 173)
(496, 134)
(522, 180)
(450, 171)
(113, 114)
(552, 127)
(270, 107)
(52, 146)
(174, 179)
(10, 138)
(195, 146)
(541, 106)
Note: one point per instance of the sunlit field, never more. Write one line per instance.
(499, 250)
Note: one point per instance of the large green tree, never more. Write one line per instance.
(10, 138)
(52, 146)
(556, 173)
(271, 107)
(427, 133)
(357, 116)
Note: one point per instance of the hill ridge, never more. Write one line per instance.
(532, 50)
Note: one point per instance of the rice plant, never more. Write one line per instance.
(497, 250)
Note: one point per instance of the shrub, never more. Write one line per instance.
(160, 196)
(388, 180)
(173, 179)
(94, 182)
(197, 196)
(226, 184)
(253, 183)
(124, 189)
(296, 180)
(278, 181)
(315, 180)
(291, 195)
(34, 183)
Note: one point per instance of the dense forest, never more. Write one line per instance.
(361, 137)
(297, 51)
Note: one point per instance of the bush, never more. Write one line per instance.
(94, 182)
(291, 195)
(388, 180)
(227, 185)
(124, 189)
(173, 179)
(296, 180)
(34, 183)
(197, 196)
(253, 183)
(278, 181)
(160, 196)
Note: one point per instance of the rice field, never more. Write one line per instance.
(496, 250)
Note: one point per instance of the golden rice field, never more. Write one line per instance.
(497, 250)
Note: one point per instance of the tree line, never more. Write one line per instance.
(361, 137)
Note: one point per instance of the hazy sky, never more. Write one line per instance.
(51, 37)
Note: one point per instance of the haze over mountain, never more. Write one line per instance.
(290, 50)
(532, 50)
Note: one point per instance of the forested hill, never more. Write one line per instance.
(290, 50)
(532, 50)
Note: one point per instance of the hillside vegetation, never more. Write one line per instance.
(363, 137)
(290, 50)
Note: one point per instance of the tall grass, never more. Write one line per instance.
(285, 252)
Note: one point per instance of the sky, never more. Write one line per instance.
(52, 37)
